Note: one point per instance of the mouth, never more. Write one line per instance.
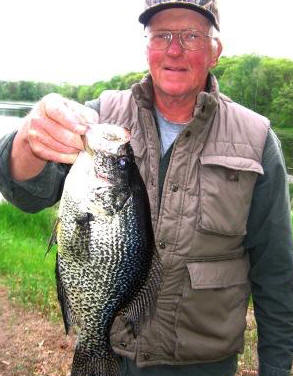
(175, 69)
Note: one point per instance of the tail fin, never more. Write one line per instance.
(85, 365)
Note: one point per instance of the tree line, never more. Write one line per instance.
(263, 84)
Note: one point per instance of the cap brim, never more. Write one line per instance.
(148, 13)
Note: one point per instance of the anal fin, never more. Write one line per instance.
(62, 298)
(145, 301)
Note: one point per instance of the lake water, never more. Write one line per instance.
(18, 109)
(11, 114)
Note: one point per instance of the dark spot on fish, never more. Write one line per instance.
(85, 219)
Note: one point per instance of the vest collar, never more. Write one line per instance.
(143, 94)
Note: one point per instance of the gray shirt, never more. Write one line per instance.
(168, 131)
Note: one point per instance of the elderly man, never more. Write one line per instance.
(219, 199)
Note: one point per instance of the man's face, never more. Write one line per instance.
(176, 71)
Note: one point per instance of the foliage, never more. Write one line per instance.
(263, 84)
(23, 266)
(32, 91)
(282, 105)
(116, 83)
(25, 90)
(285, 135)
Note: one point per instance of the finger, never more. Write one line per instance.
(35, 137)
(50, 155)
(57, 132)
(42, 151)
(55, 107)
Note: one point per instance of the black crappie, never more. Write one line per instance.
(106, 262)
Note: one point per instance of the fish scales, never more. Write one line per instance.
(106, 261)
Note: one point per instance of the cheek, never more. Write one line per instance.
(200, 63)
(153, 58)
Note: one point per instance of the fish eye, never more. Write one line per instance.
(123, 163)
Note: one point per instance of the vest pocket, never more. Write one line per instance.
(225, 193)
(211, 318)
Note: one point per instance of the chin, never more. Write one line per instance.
(175, 90)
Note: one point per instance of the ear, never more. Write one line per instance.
(216, 52)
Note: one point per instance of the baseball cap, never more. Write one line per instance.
(207, 8)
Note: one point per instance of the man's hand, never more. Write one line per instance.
(50, 132)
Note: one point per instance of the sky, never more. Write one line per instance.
(85, 41)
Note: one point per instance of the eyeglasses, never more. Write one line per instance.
(189, 39)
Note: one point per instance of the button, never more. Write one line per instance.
(232, 175)
(174, 187)
(123, 344)
(162, 245)
(146, 356)
(187, 134)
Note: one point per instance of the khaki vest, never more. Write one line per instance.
(199, 227)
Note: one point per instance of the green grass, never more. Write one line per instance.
(30, 276)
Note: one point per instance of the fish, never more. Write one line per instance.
(107, 263)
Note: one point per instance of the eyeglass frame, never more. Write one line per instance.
(177, 32)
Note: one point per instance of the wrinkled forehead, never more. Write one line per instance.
(178, 18)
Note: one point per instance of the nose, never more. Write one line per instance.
(175, 48)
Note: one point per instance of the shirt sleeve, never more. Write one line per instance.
(269, 243)
(35, 194)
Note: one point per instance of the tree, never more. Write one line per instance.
(282, 106)
(240, 80)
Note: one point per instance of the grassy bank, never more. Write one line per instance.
(30, 276)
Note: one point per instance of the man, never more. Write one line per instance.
(219, 199)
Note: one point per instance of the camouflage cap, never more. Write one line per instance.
(207, 8)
